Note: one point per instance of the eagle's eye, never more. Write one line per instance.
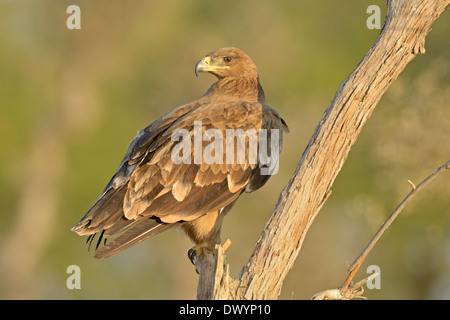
(227, 59)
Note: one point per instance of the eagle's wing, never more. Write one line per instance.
(107, 210)
(150, 192)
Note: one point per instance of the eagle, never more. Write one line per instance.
(163, 182)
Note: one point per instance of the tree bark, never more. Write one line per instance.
(403, 36)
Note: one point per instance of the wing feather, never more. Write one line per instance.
(184, 183)
(150, 193)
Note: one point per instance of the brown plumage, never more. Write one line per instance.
(151, 193)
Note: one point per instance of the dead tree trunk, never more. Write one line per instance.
(401, 39)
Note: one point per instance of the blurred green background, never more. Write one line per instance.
(72, 100)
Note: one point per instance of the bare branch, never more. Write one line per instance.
(350, 291)
(357, 263)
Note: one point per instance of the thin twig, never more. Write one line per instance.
(357, 263)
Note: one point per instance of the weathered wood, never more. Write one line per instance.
(401, 39)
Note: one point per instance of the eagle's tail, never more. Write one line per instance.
(142, 230)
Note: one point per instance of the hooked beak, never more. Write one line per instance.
(204, 65)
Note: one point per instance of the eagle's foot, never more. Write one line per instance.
(197, 251)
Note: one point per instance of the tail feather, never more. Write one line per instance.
(138, 233)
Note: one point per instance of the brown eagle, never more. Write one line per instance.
(183, 171)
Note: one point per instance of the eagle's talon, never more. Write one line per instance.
(198, 251)
(191, 254)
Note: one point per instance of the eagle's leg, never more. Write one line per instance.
(205, 233)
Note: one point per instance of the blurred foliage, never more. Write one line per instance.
(72, 100)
